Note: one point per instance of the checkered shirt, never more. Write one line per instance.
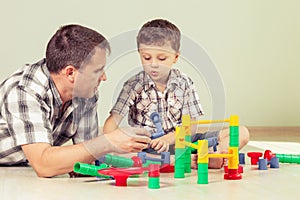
(31, 112)
(140, 97)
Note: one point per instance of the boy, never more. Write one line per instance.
(160, 88)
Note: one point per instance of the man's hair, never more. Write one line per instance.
(71, 45)
(159, 32)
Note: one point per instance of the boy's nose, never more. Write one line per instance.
(154, 63)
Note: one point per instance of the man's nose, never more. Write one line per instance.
(103, 77)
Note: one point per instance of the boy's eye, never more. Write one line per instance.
(147, 58)
(162, 59)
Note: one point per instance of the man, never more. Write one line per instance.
(45, 104)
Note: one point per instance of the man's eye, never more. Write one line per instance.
(98, 71)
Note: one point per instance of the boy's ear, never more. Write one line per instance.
(70, 72)
(176, 57)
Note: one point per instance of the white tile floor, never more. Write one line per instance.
(282, 183)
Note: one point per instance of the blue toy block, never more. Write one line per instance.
(155, 117)
(274, 163)
(262, 164)
(242, 158)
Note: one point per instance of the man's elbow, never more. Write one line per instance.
(46, 171)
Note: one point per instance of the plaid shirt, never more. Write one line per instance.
(140, 97)
(31, 112)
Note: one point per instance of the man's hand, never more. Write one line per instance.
(124, 140)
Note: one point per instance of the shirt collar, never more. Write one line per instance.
(173, 80)
(54, 91)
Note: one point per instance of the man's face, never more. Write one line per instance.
(157, 61)
(89, 76)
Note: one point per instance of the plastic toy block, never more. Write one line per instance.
(274, 163)
(118, 161)
(240, 169)
(154, 170)
(233, 161)
(148, 162)
(137, 162)
(166, 168)
(179, 138)
(187, 157)
(155, 117)
(179, 163)
(254, 156)
(97, 162)
(234, 136)
(202, 151)
(212, 142)
(165, 157)
(202, 173)
(242, 158)
(91, 170)
(233, 174)
(121, 174)
(186, 120)
(234, 120)
(153, 183)
(262, 164)
(288, 158)
(269, 155)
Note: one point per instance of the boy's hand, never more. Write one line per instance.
(159, 145)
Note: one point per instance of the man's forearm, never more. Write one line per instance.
(49, 161)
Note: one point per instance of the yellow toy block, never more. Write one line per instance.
(179, 138)
(234, 120)
(202, 151)
(233, 162)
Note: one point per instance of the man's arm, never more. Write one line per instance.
(112, 122)
(49, 161)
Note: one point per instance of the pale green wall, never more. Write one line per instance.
(255, 46)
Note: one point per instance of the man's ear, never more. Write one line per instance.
(176, 57)
(70, 72)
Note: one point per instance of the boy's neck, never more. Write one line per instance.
(161, 87)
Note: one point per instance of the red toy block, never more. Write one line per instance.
(154, 170)
(232, 174)
(137, 161)
(121, 174)
(254, 157)
(240, 170)
(269, 155)
(166, 168)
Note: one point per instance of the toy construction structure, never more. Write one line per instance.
(121, 168)
(183, 147)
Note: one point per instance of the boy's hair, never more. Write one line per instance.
(159, 32)
(73, 45)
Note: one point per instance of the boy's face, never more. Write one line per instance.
(157, 61)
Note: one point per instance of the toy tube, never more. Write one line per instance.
(209, 121)
(87, 169)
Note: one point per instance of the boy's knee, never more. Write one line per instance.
(244, 135)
